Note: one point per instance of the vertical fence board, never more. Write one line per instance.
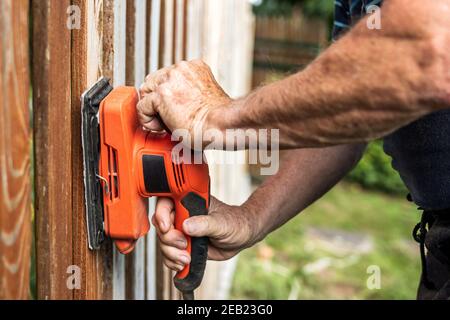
(51, 100)
(140, 59)
(87, 66)
(15, 138)
(131, 263)
(118, 79)
(151, 261)
(135, 74)
(166, 56)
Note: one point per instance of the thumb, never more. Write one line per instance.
(204, 226)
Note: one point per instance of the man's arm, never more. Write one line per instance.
(364, 86)
(304, 176)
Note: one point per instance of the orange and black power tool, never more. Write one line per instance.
(124, 165)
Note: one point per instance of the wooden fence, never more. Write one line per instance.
(73, 43)
(286, 44)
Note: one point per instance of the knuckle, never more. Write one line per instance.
(166, 240)
(201, 63)
(158, 215)
(165, 249)
(163, 75)
(169, 264)
(173, 73)
(170, 237)
(182, 64)
(162, 89)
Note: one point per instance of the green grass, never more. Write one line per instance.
(275, 268)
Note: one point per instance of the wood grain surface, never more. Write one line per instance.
(15, 151)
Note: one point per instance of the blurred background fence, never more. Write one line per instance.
(286, 44)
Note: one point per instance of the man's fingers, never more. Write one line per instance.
(147, 109)
(143, 118)
(153, 125)
(173, 265)
(153, 80)
(220, 254)
(162, 218)
(176, 255)
(148, 105)
(174, 238)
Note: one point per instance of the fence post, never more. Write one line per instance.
(62, 69)
(15, 148)
(52, 148)
(91, 45)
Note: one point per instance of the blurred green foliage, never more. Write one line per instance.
(279, 266)
(375, 171)
(315, 8)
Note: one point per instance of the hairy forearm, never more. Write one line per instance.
(366, 85)
(304, 176)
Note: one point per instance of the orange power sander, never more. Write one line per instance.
(124, 165)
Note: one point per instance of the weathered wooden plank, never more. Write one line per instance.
(135, 74)
(131, 41)
(53, 148)
(87, 67)
(15, 143)
(178, 34)
(148, 29)
(153, 14)
(166, 12)
(155, 32)
(118, 79)
(131, 265)
(150, 259)
(162, 291)
(194, 26)
(179, 30)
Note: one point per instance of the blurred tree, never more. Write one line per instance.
(375, 171)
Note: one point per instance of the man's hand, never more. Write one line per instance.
(182, 95)
(228, 227)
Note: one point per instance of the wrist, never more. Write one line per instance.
(223, 116)
(255, 218)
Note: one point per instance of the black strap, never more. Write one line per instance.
(419, 234)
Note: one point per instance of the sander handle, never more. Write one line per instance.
(192, 204)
